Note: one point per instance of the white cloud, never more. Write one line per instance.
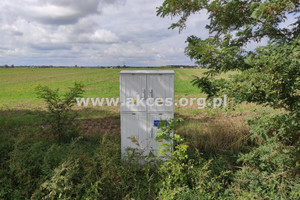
(56, 12)
(53, 13)
(102, 35)
(91, 32)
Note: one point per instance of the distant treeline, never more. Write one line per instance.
(77, 66)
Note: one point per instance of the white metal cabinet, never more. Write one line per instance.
(138, 128)
(160, 86)
(133, 134)
(132, 85)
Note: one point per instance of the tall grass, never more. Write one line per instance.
(220, 135)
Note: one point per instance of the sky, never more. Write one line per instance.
(92, 33)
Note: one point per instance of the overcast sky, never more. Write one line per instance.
(91, 32)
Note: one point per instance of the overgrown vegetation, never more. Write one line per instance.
(35, 166)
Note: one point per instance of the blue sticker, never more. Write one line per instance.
(156, 122)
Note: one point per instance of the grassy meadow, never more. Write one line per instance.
(34, 165)
(18, 85)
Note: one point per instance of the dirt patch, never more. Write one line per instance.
(101, 126)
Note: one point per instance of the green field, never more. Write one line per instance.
(17, 86)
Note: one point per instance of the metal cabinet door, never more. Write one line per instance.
(132, 86)
(161, 86)
(134, 131)
(152, 125)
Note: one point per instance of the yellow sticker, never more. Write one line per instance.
(134, 101)
(160, 140)
(160, 102)
(133, 139)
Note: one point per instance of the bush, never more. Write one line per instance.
(60, 114)
(270, 170)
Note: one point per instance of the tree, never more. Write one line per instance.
(267, 75)
(61, 117)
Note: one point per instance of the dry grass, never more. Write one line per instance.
(216, 134)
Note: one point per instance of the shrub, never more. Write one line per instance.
(266, 174)
(270, 170)
(60, 114)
